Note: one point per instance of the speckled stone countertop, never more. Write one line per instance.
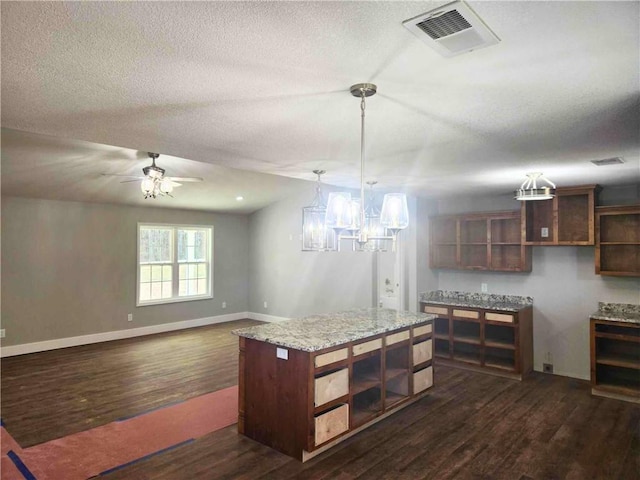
(316, 332)
(506, 303)
(618, 312)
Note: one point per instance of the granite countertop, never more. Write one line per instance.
(618, 312)
(505, 303)
(316, 332)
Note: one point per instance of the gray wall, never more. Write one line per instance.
(563, 284)
(296, 283)
(69, 268)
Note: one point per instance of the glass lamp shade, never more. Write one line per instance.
(395, 213)
(147, 186)
(373, 229)
(354, 206)
(339, 213)
(166, 186)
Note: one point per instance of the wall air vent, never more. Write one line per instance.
(608, 161)
(452, 29)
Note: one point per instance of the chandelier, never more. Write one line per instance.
(315, 237)
(357, 219)
(530, 190)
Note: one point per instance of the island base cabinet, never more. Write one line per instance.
(302, 403)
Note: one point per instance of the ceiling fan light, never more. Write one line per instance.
(166, 185)
(339, 213)
(147, 185)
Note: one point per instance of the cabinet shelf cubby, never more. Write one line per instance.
(618, 240)
(615, 359)
(478, 241)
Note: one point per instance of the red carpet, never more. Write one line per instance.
(86, 454)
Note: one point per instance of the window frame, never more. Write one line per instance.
(175, 298)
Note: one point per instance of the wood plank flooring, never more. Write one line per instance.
(471, 426)
(51, 394)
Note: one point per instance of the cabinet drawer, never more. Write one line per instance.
(331, 357)
(331, 386)
(367, 347)
(331, 424)
(499, 317)
(465, 313)
(436, 310)
(422, 380)
(422, 352)
(397, 337)
(423, 330)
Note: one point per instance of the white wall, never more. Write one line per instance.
(563, 284)
(296, 283)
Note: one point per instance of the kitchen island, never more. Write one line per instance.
(309, 383)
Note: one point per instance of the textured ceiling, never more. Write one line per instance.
(264, 87)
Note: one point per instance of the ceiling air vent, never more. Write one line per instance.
(452, 29)
(608, 161)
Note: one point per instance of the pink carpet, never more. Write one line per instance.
(87, 454)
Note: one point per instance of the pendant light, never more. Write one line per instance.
(347, 216)
(530, 190)
(315, 236)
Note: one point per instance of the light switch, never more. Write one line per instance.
(544, 232)
(282, 353)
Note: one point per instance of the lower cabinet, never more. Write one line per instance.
(305, 403)
(492, 341)
(615, 359)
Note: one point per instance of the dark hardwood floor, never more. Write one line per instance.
(471, 425)
(51, 394)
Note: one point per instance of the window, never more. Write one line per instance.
(174, 263)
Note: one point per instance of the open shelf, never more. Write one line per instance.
(366, 373)
(567, 219)
(499, 358)
(467, 353)
(479, 241)
(366, 404)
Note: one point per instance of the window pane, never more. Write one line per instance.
(144, 246)
(145, 273)
(166, 272)
(145, 291)
(182, 288)
(202, 270)
(202, 286)
(166, 290)
(193, 270)
(155, 245)
(199, 246)
(156, 290)
(193, 287)
(182, 245)
(156, 273)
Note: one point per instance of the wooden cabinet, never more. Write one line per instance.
(567, 219)
(480, 339)
(618, 240)
(305, 403)
(478, 241)
(615, 359)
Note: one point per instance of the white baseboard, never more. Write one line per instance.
(265, 318)
(24, 348)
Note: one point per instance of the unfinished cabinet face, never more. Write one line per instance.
(567, 219)
(422, 352)
(615, 359)
(618, 240)
(331, 386)
(422, 379)
(476, 338)
(331, 424)
(479, 241)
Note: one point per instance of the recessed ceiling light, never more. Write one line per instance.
(239, 198)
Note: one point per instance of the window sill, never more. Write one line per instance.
(173, 300)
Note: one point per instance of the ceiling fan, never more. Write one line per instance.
(154, 183)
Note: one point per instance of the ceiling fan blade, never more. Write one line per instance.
(138, 177)
(186, 179)
(130, 181)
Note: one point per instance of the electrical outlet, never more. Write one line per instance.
(483, 287)
(224, 304)
(265, 304)
(544, 232)
(1, 332)
(130, 317)
(547, 367)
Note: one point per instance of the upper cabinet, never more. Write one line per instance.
(478, 241)
(618, 240)
(567, 219)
